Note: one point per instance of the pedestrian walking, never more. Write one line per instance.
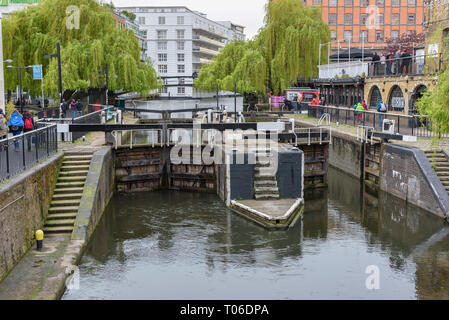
(28, 125)
(63, 109)
(16, 126)
(382, 109)
(360, 108)
(73, 108)
(79, 108)
(3, 125)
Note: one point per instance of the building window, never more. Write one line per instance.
(162, 57)
(162, 34)
(180, 20)
(333, 35)
(394, 34)
(332, 3)
(347, 36)
(181, 68)
(380, 3)
(161, 20)
(379, 36)
(364, 3)
(141, 20)
(348, 19)
(395, 3)
(180, 45)
(348, 3)
(162, 90)
(182, 81)
(411, 19)
(363, 36)
(411, 3)
(181, 90)
(332, 18)
(181, 57)
(180, 34)
(162, 68)
(380, 19)
(363, 19)
(162, 45)
(395, 19)
(316, 2)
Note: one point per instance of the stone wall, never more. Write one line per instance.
(346, 154)
(98, 191)
(24, 203)
(407, 174)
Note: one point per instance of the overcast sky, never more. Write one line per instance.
(248, 13)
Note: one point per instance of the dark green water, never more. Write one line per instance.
(171, 245)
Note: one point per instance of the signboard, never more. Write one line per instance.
(432, 50)
(37, 72)
(4, 3)
(398, 103)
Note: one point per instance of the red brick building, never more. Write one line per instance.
(369, 22)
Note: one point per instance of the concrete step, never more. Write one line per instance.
(75, 168)
(78, 158)
(267, 183)
(71, 179)
(54, 216)
(262, 165)
(76, 163)
(65, 203)
(266, 197)
(443, 173)
(73, 173)
(267, 190)
(68, 196)
(63, 209)
(70, 184)
(432, 151)
(259, 177)
(56, 230)
(64, 190)
(60, 222)
(78, 153)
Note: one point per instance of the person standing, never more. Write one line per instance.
(73, 108)
(365, 107)
(397, 59)
(79, 108)
(360, 110)
(382, 63)
(16, 126)
(389, 63)
(28, 125)
(3, 125)
(376, 60)
(382, 109)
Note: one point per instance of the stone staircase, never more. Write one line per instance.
(439, 161)
(265, 183)
(67, 196)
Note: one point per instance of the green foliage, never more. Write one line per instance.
(130, 15)
(31, 33)
(10, 107)
(287, 48)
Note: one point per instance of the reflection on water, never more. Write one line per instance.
(170, 245)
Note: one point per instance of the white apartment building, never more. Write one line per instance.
(180, 41)
(8, 6)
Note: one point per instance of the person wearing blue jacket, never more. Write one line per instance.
(16, 125)
(381, 108)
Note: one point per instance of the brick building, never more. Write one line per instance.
(369, 23)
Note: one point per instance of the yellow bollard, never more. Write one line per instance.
(39, 239)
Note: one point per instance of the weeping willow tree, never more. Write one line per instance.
(286, 48)
(86, 47)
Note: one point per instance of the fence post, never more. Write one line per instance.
(35, 145)
(55, 137)
(7, 156)
(23, 150)
(48, 151)
(399, 123)
(413, 123)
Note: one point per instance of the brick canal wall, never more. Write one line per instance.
(407, 174)
(24, 202)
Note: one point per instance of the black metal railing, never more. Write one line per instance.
(415, 125)
(21, 152)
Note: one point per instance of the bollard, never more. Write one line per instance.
(39, 239)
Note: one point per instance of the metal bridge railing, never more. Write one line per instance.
(27, 149)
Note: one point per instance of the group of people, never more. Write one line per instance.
(393, 63)
(75, 105)
(16, 124)
(362, 106)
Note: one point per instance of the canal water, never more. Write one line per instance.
(172, 245)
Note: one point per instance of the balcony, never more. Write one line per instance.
(208, 41)
(205, 51)
(196, 60)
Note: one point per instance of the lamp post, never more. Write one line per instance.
(20, 81)
(105, 70)
(2, 79)
(57, 55)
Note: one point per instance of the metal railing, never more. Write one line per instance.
(414, 125)
(23, 151)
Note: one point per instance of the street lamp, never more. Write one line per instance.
(20, 81)
(57, 55)
(105, 70)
